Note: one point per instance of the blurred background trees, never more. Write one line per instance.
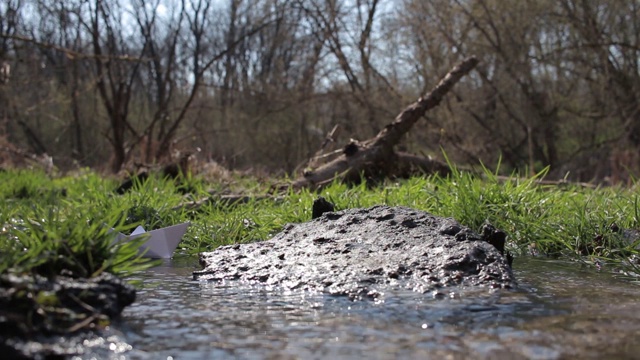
(258, 84)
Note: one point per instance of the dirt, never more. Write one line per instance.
(36, 311)
(360, 253)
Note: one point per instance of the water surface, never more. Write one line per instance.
(560, 311)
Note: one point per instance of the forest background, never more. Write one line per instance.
(257, 84)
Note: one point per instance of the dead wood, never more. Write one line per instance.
(176, 170)
(224, 201)
(411, 164)
(327, 146)
(543, 182)
(12, 156)
(375, 158)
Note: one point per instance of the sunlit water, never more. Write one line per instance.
(560, 311)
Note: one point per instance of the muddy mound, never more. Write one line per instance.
(50, 318)
(362, 252)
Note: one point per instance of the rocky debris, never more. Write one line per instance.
(36, 307)
(360, 253)
(629, 236)
(498, 239)
(321, 206)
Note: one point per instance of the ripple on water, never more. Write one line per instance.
(560, 311)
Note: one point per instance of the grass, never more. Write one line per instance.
(51, 226)
(62, 226)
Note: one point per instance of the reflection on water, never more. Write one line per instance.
(560, 312)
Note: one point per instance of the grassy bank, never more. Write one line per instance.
(49, 226)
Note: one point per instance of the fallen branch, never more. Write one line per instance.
(375, 158)
(224, 201)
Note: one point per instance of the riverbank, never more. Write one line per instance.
(41, 216)
(54, 228)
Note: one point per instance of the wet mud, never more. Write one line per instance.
(37, 312)
(361, 253)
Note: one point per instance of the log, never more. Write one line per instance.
(411, 164)
(375, 158)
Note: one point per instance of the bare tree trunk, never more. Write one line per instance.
(114, 81)
(76, 142)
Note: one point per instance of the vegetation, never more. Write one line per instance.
(109, 84)
(259, 83)
(60, 225)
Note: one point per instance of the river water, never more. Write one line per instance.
(560, 311)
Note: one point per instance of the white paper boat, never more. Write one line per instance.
(161, 242)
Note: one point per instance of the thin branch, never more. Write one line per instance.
(72, 54)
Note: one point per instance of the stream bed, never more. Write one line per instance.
(560, 311)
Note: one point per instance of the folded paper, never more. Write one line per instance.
(161, 243)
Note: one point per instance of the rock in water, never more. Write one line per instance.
(361, 253)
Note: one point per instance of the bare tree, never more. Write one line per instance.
(9, 18)
(114, 77)
(262, 82)
(347, 31)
